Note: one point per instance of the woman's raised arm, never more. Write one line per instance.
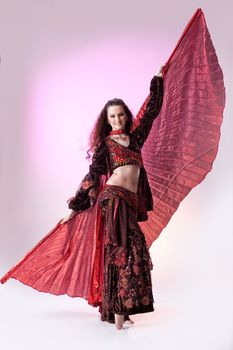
(152, 109)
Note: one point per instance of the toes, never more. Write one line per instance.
(118, 326)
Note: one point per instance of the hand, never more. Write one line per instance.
(92, 194)
(160, 71)
(68, 217)
(92, 201)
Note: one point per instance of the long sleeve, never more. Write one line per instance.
(152, 110)
(86, 194)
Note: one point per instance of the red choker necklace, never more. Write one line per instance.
(117, 132)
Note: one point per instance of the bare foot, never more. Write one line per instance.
(129, 321)
(119, 319)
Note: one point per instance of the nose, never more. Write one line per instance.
(118, 119)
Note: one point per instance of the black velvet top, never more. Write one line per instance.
(110, 154)
(119, 156)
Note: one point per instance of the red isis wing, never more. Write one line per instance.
(184, 139)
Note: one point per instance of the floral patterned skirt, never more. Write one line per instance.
(127, 287)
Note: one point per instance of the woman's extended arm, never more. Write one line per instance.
(152, 109)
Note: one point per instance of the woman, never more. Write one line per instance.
(124, 201)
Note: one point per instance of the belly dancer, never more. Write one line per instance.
(127, 287)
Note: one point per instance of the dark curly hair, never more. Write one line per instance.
(102, 128)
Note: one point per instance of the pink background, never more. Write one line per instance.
(60, 62)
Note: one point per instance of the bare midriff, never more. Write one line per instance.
(126, 176)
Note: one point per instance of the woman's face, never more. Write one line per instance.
(116, 117)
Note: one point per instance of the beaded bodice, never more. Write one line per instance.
(120, 155)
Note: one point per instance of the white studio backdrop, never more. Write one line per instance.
(60, 62)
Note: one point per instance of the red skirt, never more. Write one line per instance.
(127, 287)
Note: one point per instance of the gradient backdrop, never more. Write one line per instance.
(60, 62)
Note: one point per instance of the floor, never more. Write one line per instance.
(33, 320)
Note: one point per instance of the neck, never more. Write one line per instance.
(117, 132)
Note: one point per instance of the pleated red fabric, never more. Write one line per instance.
(177, 155)
(184, 139)
(68, 260)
